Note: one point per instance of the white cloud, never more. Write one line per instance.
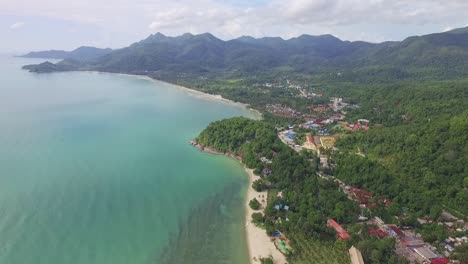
(373, 20)
(17, 25)
(281, 18)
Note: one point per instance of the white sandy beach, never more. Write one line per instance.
(259, 244)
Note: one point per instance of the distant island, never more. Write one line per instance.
(80, 54)
(362, 146)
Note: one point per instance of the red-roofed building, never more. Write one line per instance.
(356, 127)
(342, 234)
(361, 192)
(310, 138)
(397, 231)
(359, 195)
(378, 232)
(440, 261)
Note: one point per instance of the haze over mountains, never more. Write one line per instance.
(441, 54)
(82, 53)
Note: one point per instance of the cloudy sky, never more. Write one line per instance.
(65, 24)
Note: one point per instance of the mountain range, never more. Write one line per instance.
(439, 55)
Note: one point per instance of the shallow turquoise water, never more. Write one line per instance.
(95, 168)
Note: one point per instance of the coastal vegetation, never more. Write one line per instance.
(255, 204)
(257, 218)
(412, 161)
(376, 251)
(310, 200)
(414, 92)
(266, 261)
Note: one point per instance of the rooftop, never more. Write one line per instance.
(426, 253)
(356, 256)
(342, 234)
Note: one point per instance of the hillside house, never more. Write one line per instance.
(342, 234)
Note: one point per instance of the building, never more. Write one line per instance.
(379, 222)
(359, 195)
(440, 261)
(342, 234)
(338, 104)
(425, 253)
(363, 121)
(397, 231)
(377, 232)
(324, 161)
(412, 242)
(356, 256)
(266, 171)
(290, 135)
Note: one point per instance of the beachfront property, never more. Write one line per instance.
(282, 243)
(279, 207)
(266, 172)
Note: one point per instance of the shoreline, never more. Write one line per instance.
(191, 92)
(259, 244)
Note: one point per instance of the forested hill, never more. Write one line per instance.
(439, 55)
(80, 54)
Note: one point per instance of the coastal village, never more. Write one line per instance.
(321, 137)
(319, 130)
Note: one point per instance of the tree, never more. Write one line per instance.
(266, 261)
(254, 204)
(259, 185)
(257, 218)
(461, 253)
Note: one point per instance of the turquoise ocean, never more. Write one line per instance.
(96, 168)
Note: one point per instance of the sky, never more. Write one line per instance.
(27, 25)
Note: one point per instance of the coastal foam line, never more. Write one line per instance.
(258, 242)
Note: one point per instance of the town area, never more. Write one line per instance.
(319, 134)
